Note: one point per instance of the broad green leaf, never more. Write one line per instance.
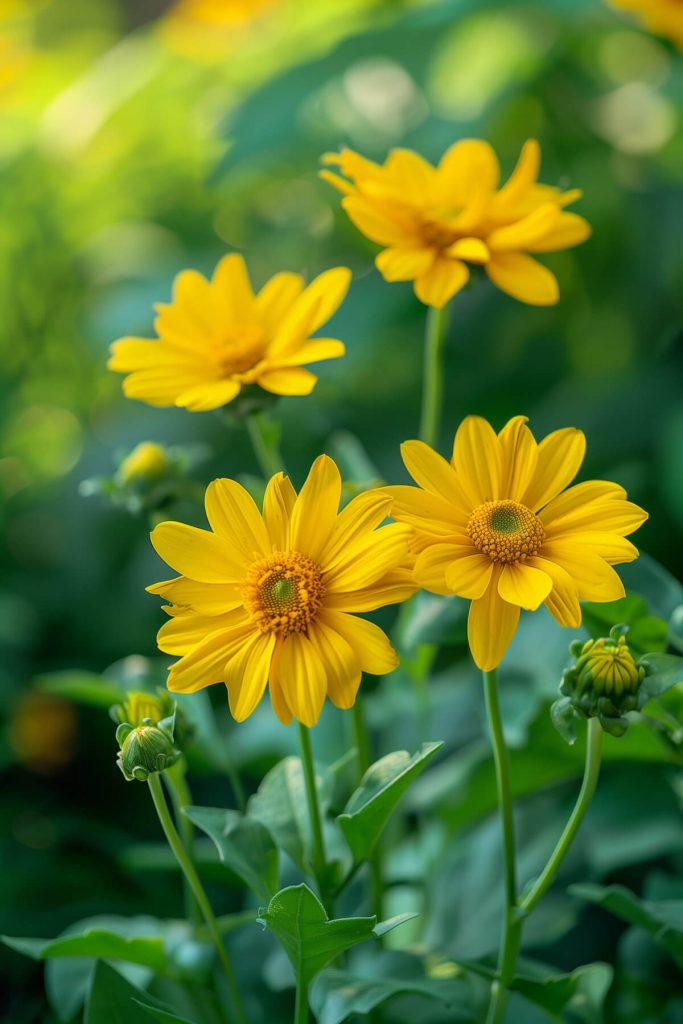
(113, 1000)
(663, 672)
(280, 804)
(165, 1016)
(581, 991)
(662, 919)
(335, 995)
(245, 846)
(381, 788)
(310, 939)
(104, 945)
(80, 687)
(646, 632)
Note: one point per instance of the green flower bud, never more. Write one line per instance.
(145, 750)
(603, 682)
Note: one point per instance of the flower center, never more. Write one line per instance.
(506, 531)
(240, 350)
(284, 592)
(437, 234)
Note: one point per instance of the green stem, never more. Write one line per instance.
(511, 935)
(361, 737)
(197, 888)
(590, 780)
(265, 445)
(176, 781)
(318, 854)
(301, 1005)
(432, 380)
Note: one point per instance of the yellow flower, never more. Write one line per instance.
(147, 461)
(496, 525)
(434, 221)
(663, 17)
(266, 598)
(216, 337)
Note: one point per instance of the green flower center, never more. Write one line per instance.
(506, 531)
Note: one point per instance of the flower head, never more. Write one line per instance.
(435, 221)
(145, 750)
(147, 462)
(662, 17)
(499, 524)
(265, 598)
(217, 337)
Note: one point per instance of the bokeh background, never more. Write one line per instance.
(138, 138)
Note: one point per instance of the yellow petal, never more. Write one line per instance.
(607, 545)
(276, 298)
(377, 224)
(314, 306)
(432, 564)
(521, 179)
(205, 598)
(292, 380)
(570, 230)
(615, 515)
(333, 179)
(579, 497)
(158, 386)
(562, 601)
(397, 586)
(314, 352)
(278, 502)
(300, 674)
(187, 629)
(434, 474)
(234, 516)
(523, 233)
(205, 664)
(129, 354)
(370, 644)
(198, 554)
(470, 166)
(246, 674)
(523, 278)
(410, 173)
(315, 509)
(277, 694)
(560, 455)
(340, 663)
(362, 514)
(211, 394)
(491, 626)
(469, 574)
(519, 458)
(523, 585)
(369, 558)
(233, 298)
(403, 263)
(593, 578)
(193, 299)
(473, 250)
(437, 286)
(477, 460)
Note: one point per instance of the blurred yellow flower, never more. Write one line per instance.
(265, 598)
(208, 29)
(662, 17)
(496, 526)
(434, 221)
(147, 461)
(217, 337)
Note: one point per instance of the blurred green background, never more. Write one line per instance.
(139, 138)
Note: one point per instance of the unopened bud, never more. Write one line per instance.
(145, 750)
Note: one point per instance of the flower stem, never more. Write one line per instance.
(301, 1015)
(318, 854)
(590, 780)
(197, 888)
(265, 444)
(432, 380)
(361, 737)
(512, 924)
(176, 780)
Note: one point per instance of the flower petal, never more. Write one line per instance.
(523, 233)
(393, 588)
(186, 629)
(210, 394)
(205, 664)
(314, 352)
(469, 574)
(233, 298)
(432, 564)
(234, 516)
(278, 502)
(246, 674)
(370, 644)
(403, 262)
(314, 306)
(521, 179)
(473, 250)
(519, 457)
(579, 497)
(562, 601)
(376, 223)
(198, 554)
(491, 626)
(570, 230)
(315, 509)
(366, 560)
(437, 286)
(300, 674)
(560, 455)
(355, 521)
(205, 598)
(292, 380)
(523, 278)
(523, 585)
(276, 298)
(340, 662)
(611, 515)
(593, 578)
(431, 471)
(477, 460)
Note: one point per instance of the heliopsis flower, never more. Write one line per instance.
(434, 221)
(499, 525)
(268, 598)
(217, 337)
(662, 17)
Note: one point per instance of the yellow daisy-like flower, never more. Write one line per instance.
(662, 17)
(266, 598)
(434, 221)
(496, 525)
(217, 337)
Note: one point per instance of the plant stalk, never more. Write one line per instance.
(318, 855)
(266, 449)
(433, 372)
(176, 780)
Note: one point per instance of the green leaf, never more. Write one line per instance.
(586, 986)
(662, 919)
(335, 995)
(280, 804)
(244, 844)
(432, 619)
(165, 1016)
(113, 1000)
(381, 788)
(663, 672)
(106, 945)
(310, 939)
(646, 632)
(80, 687)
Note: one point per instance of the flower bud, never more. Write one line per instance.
(603, 682)
(143, 708)
(146, 463)
(145, 750)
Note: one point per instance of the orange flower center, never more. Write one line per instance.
(240, 350)
(506, 531)
(438, 235)
(284, 592)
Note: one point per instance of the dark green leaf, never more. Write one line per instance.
(557, 992)
(113, 1000)
(149, 952)
(646, 632)
(165, 1016)
(381, 788)
(244, 844)
(663, 672)
(81, 688)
